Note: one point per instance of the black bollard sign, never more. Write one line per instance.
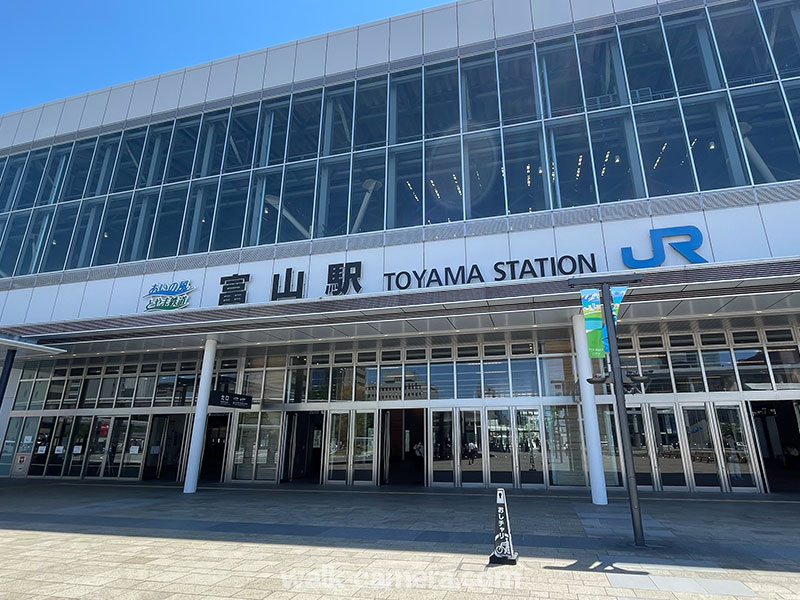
(503, 546)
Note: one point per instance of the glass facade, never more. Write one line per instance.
(653, 108)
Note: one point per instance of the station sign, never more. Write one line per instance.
(228, 400)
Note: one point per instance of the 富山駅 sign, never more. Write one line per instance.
(168, 296)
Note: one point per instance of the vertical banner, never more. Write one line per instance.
(593, 315)
(617, 293)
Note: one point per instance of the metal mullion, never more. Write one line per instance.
(41, 179)
(769, 367)
(461, 128)
(38, 265)
(386, 159)
(141, 155)
(24, 237)
(424, 141)
(148, 429)
(761, 475)
(683, 444)
(250, 180)
(125, 444)
(13, 200)
(283, 174)
(320, 134)
(719, 447)
(190, 181)
(633, 115)
(649, 436)
(586, 121)
(545, 455)
(352, 163)
(730, 99)
(542, 129)
(502, 137)
(212, 233)
(777, 74)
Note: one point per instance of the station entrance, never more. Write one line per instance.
(402, 460)
(777, 426)
(303, 447)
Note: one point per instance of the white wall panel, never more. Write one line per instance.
(299, 263)
(780, 222)
(208, 296)
(440, 29)
(402, 258)
(317, 274)
(588, 9)
(119, 99)
(125, 295)
(16, 306)
(260, 287)
(195, 84)
(581, 239)
(42, 301)
(196, 277)
(8, 128)
(440, 254)
(51, 114)
(475, 22)
(280, 65)
(620, 5)
(27, 125)
(68, 302)
(371, 268)
(168, 92)
(532, 244)
(634, 234)
(221, 79)
(405, 37)
(94, 110)
(310, 61)
(373, 44)
(341, 54)
(144, 94)
(737, 234)
(485, 251)
(512, 16)
(71, 115)
(547, 13)
(96, 298)
(250, 73)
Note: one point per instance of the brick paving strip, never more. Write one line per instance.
(60, 540)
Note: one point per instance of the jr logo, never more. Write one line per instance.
(685, 248)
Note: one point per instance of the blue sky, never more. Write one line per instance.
(51, 49)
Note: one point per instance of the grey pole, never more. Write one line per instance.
(11, 353)
(622, 415)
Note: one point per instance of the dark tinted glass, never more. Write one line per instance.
(441, 99)
(664, 150)
(12, 240)
(78, 169)
(196, 232)
(155, 154)
(745, 57)
(168, 221)
(692, 49)
(35, 239)
(405, 106)
(86, 229)
(483, 159)
(518, 93)
(404, 198)
(782, 23)
(112, 229)
(297, 204)
(103, 165)
(211, 144)
(9, 184)
(479, 92)
(616, 159)
(31, 178)
(367, 192)
(304, 128)
(55, 253)
(646, 62)
(571, 183)
(241, 138)
(526, 171)
(370, 126)
(443, 183)
(231, 206)
(601, 65)
(140, 226)
(560, 80)
(271, 137)
(332, 195)
(54, 175)
(130, 155)
(262, 216)
(181, 154)
(337, 122)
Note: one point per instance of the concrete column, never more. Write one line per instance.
(200, 413)
(10, 375)
(591, 428)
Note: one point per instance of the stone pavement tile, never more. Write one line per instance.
(637, 582)
(726, 586)
(677, 584)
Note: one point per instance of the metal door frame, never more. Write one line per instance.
(429, 447)
(512, 438)
(749, 435)
(688, 474)
(543, 448)
(481, 410)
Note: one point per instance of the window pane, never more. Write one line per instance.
(495, 379)
(140, 226)
(130, 154)
(443, 190)
(168, 221)
(561, 85)
(741, 43)
(304, 128)
(370, 127)
(405, 106)
(337, 122)
(719, 371)
(199, 214)
(211, 144)
(268, 441)
(297, 203)
(524, 377)
(80, 253)
(471, 443)
(785, 368)
(483, 158)
(11, 180)
(319, 384)
(564, 447)
(442, 383)
(479, 91)
(404, 201)
(415, 382)
(715, 146)
(271, 137)
(557, 377)
(527, 179)
(656, 368)
(793, 95)
(518, 93)
(367, 192)
(769, 141)
(646, 61)
(332, 193)
(12, 240)
(571, 178)
(342, 384)
(468, 380)
(78, 170)
(601, 65)
(54, 175)
(31, 178)
(102, 165)
(701, 447)
(692, 50)
(441, 99)
(155, 154)
(112, 230)
(229, 220)
(262, 214)
(616, 159)
(686, 370)
(35, 241)
(664, 150)
(181, 154)
(782, 23)
(241, 134)
(57, 245)
(391, 383)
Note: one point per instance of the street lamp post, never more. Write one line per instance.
(605, 283)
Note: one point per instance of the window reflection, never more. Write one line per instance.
(404, 194)
(168, 221)
(230, 210)
(55, 253)
(479, 92)
(441, 99)
(444, 185)
(77, 172)
(646, 61)
(616, 159)
(332, 194)
(140, 225)
(337, 121)
(370, 119)
(518, 91)
(741, 43)
(601, 66)
(782, 24)
(130, 154)
(298, 203)
(239, 150)
(692, 51)
(405, 106)
(571, 180)
(86, 230)
(271, 135)
(112, 229)
(367, 192)
(262, 213)
(304, 126)
(665, 152)
(560, 81)
(199, 216)
(483, 161)
(526, 170)
(154, 158)
(53, 175)
(181, 153)
(31, 178)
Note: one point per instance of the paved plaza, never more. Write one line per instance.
(123, 542)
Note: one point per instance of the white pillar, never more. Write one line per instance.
(200, 413)
(591, 428)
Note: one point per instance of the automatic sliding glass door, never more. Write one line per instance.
(702, 454)
(442, 447)
(351, 448)
(735, 447)
(530, 461)
(668, 449)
